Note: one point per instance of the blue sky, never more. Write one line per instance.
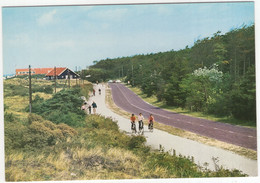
(71, 36)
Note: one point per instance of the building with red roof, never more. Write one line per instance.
(19, 72)
(61, 72)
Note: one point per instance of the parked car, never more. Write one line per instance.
(110, 81)
(118, 81)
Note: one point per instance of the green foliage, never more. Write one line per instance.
(39, 134)
(136, 142)
(212, 90)
(9, 117)
(243, 97)
(14, 136)
(96, 75)
(200, 88)
(63, 107)
(44, 89)
(13, 90)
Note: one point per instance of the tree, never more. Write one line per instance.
(200, 87)
(243, 97)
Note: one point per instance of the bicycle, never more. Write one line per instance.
(133, 127)
(150, 126)
(141, 127)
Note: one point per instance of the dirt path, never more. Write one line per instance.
(202, 153)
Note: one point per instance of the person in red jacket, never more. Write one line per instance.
(133, 127)
(151, 120)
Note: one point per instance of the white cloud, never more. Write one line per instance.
(46, 18)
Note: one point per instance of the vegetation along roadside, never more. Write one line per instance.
(60, 142)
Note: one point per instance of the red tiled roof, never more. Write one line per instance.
(33, 70)
(59, 70)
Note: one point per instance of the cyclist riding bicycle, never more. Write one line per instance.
(141, 123)
(133, 127)
(151, 120)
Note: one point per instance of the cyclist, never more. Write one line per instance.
(141, 123)
(151, 120)
(133, 127)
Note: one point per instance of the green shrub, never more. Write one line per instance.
(9, 117)
(14, 133)
(45, 89)
(136, 142)
(13, 90)
(63, 107)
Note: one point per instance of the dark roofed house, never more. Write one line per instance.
(61, 73)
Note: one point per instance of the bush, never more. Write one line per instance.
(13, 135)
(136, 142)
(44, 89)
(63, 107)
(16, 90)
(9, 117)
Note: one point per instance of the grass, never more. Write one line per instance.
(179, 132)
(44, 151)
(153, 101)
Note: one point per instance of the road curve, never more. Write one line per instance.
(237, 135)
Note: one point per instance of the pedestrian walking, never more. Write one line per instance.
(94, 92)
(99, 90)
(94, 106)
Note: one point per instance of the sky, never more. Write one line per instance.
(75, 36)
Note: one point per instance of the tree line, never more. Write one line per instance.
(215, 76)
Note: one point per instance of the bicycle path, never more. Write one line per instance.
(202, 153)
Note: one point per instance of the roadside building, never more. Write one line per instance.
(62, 73)
(20, 72)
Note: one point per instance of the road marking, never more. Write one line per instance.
(216, 128)
(231, 132)
(250, 136)
(201, 125)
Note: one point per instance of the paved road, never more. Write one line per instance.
(129, 101)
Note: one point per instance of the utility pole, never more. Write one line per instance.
(122, 71)
(69, 77)
(132, 74)
(30, 89)
(76, 77)
(81, 77)
(55, 78)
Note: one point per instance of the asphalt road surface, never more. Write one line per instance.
(129, 101)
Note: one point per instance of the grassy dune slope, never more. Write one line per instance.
(37, 149)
